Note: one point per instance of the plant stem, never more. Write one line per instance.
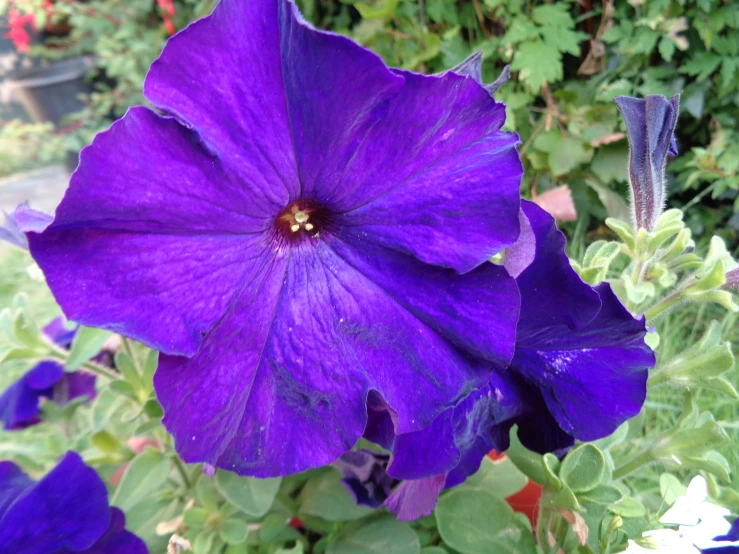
(101, 371)
(542, 526)
(181, 469)
(535, 133)
(641, 460)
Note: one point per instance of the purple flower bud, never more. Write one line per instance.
(732, 280)
(650, 124)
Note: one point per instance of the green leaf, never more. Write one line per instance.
(234, 531)
(583, 468)
(602, 494)
(628, 507)
(385, 10)
(145, 474)
(143, 519)
(207, 494)
(106, 442)
(195, 518)
(86, 344)
(500, 477)
(253, 496)
(538, 64)
(326, 497)
(670, 488)
(528, 462)
(474, 521)
(624, 231)
(379, 536)
(433, 550)
(203, 543)
(275, 528)
(127, 368)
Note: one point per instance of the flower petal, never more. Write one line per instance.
(477, 311)
(13, 483)
(116, 539)
(67, 509)
(436, 178)
(417, 498)
(592, 380)
(274, 373)
(223, 76)
(555, 294)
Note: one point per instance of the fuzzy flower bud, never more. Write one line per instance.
(650, 124)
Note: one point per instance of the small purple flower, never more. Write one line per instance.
(364, 474)
(650, 124)
(20, 403)
(579, 371)
(67, 511)
(303, 228)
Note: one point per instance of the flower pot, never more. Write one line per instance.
(51, 92)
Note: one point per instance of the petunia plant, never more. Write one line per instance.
(307, 302)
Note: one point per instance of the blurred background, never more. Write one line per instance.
(70, 67)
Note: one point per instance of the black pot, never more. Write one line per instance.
(51, 92)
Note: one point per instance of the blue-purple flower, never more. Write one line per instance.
(20, 403)
(67, 511)
(579, 371)
(650, 124)
(304, 228)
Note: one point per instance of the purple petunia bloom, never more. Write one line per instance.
(20, 403)
(579, 371)
(650, 124)
(66, 511)
(304, 230)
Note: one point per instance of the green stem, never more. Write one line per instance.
(662, 305)
(181, 469)
(542, 525)
(535, 133)
(61, 355)
(641, 460)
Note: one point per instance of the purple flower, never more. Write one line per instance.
(20, 403)
(304, 227)
(650, 124)
(364, 474)
(579, 371)
(66, 511)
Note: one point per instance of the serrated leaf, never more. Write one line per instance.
(538, 64)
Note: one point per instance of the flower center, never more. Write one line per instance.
(302, 218)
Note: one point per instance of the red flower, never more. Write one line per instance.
(167, 7)
(18, 33)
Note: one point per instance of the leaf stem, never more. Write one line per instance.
(181, 470)
(61, 355)
(640, 460)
